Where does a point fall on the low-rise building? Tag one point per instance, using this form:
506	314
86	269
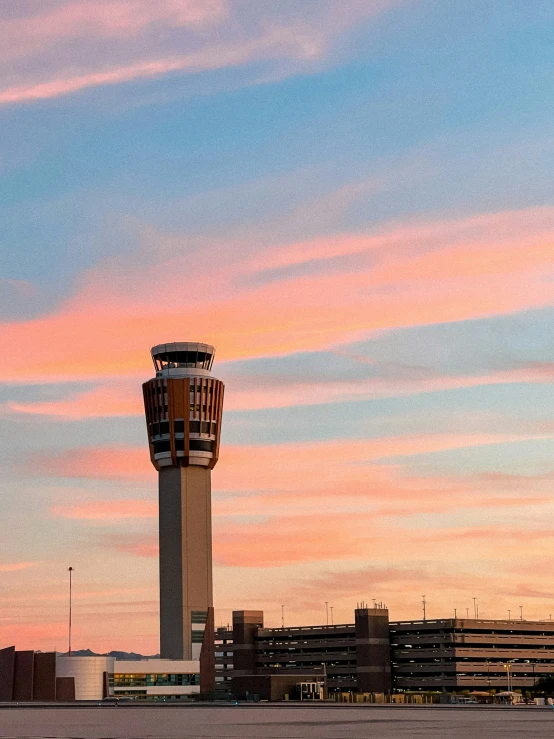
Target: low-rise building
97	678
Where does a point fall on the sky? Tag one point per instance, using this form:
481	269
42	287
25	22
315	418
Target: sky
353	201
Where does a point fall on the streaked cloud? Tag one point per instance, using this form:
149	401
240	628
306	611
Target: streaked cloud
57	49
123	398
114	315
106	510
16	566
276	466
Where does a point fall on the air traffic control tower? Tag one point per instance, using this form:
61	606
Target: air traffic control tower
183	405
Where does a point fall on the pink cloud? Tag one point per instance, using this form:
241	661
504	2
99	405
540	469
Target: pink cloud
214	58
279	541
113	317
75	45
115	399
16	566
119	463
134	545
326	467
285	540
107	510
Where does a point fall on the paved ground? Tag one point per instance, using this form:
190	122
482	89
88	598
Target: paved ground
268	722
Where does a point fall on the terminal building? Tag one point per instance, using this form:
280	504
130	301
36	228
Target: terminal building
46	676
97	678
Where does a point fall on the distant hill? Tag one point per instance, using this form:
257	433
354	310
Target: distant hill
116	654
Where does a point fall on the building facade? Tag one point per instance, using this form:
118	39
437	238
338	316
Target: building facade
347	657
184	405
372	655
474	654
97	678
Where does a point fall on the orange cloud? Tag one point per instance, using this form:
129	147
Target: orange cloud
119	463
326	467
107	510
285	540
135	545
16	566
278	541
113	317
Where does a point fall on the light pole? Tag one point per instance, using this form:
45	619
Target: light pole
424	603
70	570
332	619
283	617
327	611
508	667
521	613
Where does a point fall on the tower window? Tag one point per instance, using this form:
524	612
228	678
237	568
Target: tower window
198	445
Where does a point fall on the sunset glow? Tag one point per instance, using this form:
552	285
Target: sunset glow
354	205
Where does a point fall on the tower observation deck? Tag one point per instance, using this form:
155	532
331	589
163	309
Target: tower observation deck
183	405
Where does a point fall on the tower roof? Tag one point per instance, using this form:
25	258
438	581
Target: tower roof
178	356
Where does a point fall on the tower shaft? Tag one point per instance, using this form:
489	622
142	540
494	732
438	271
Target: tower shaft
186	592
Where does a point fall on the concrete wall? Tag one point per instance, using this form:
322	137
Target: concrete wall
44	676
23	676
7	661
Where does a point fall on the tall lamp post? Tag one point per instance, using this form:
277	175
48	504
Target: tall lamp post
70	570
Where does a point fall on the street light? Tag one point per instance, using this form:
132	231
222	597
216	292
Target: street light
70	570
508	667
